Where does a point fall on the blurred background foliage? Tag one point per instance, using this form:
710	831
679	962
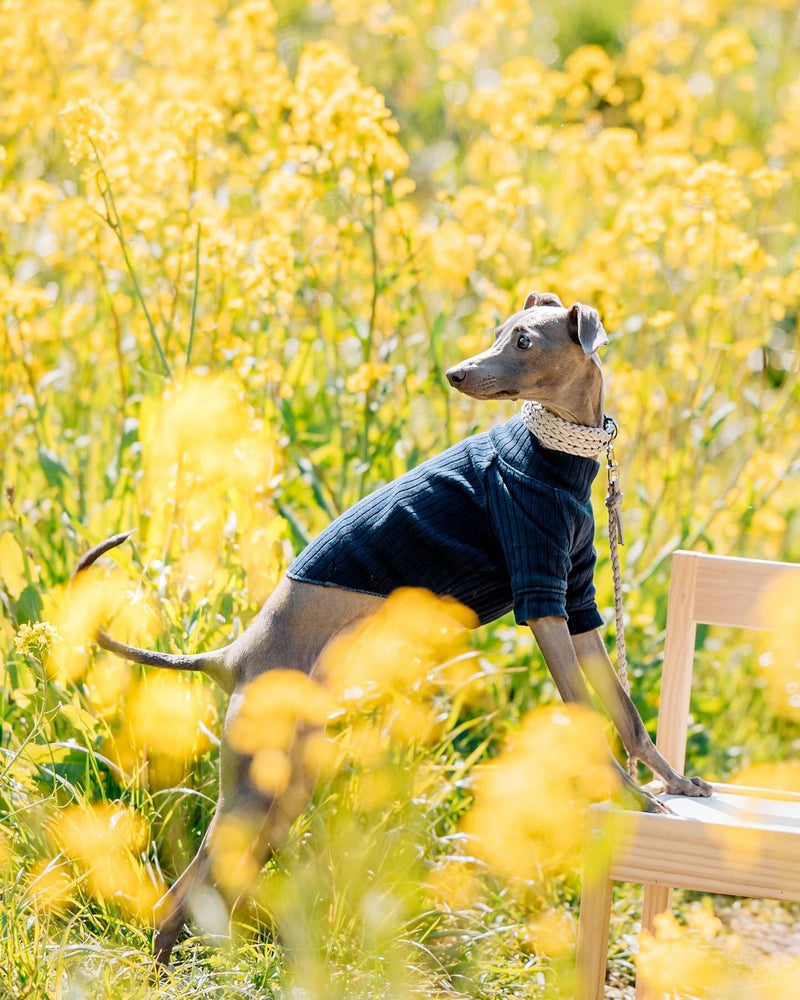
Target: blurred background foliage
240	243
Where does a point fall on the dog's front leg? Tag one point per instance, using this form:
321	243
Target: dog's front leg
559	654
599	670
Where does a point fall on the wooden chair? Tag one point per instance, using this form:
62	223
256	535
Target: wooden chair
741	841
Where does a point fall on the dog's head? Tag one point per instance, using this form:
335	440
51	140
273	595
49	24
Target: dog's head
541	352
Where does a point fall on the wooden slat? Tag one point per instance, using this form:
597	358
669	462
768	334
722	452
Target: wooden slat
593	925
676	675
656	899
708	857
751	790
729	591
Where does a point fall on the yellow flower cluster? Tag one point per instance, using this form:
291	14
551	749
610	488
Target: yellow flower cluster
106	844
378	683
38	637
87	131
276	709
701	958
554	767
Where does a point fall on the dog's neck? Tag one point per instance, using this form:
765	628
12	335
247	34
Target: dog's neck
556	433
574	392
580	416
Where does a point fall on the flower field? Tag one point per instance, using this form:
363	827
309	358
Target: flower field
241	241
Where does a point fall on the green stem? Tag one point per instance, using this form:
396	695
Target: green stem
115	223
194	295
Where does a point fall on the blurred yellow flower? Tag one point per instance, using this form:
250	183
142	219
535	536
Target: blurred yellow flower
730	48
335	118
170	715
87	604
397	648
453	884
551	933
780	775
202	434
276	708
530	802
693	960
106	842
107	682
270	771
87	129
12	564
367	375
455	257
51	886
779	656
233	866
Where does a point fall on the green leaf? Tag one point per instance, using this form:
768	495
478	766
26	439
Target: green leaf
28	607
53	468
47	753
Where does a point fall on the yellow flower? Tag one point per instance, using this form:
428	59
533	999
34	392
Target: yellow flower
38	637
528	820
51	886
779	658
171	715
86	605
87	130
270	771
730	48
526	94
397	649
335	119
276	706
453	256
366	376
106	841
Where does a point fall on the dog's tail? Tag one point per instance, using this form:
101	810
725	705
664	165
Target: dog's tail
212	663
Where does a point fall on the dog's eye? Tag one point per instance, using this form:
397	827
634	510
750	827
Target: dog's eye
524	342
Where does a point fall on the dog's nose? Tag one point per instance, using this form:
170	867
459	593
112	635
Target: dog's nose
455	376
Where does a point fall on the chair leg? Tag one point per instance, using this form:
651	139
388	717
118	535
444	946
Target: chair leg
590	973
657	899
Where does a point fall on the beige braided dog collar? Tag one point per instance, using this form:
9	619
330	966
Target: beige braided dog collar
561	435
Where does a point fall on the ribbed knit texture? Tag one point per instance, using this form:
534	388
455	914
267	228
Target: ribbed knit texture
497	522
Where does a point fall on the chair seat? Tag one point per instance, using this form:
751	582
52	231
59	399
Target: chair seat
735	809
742	845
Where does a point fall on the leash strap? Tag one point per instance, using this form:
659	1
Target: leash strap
554	432
615	539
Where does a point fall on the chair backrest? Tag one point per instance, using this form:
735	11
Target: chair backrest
706	590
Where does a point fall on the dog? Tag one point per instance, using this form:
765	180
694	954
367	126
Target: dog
498	522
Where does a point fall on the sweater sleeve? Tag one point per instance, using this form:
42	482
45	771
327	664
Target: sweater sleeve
582	612
532	536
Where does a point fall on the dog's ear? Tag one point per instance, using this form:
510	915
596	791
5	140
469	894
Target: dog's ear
542	299
585	328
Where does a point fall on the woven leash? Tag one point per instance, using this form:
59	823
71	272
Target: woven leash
576	439
615	539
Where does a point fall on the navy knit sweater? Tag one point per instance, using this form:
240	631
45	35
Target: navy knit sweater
497	522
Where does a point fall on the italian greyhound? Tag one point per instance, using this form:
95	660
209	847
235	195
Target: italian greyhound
546	353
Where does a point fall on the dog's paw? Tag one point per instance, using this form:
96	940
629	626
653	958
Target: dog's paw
694	787
636	797
651	804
